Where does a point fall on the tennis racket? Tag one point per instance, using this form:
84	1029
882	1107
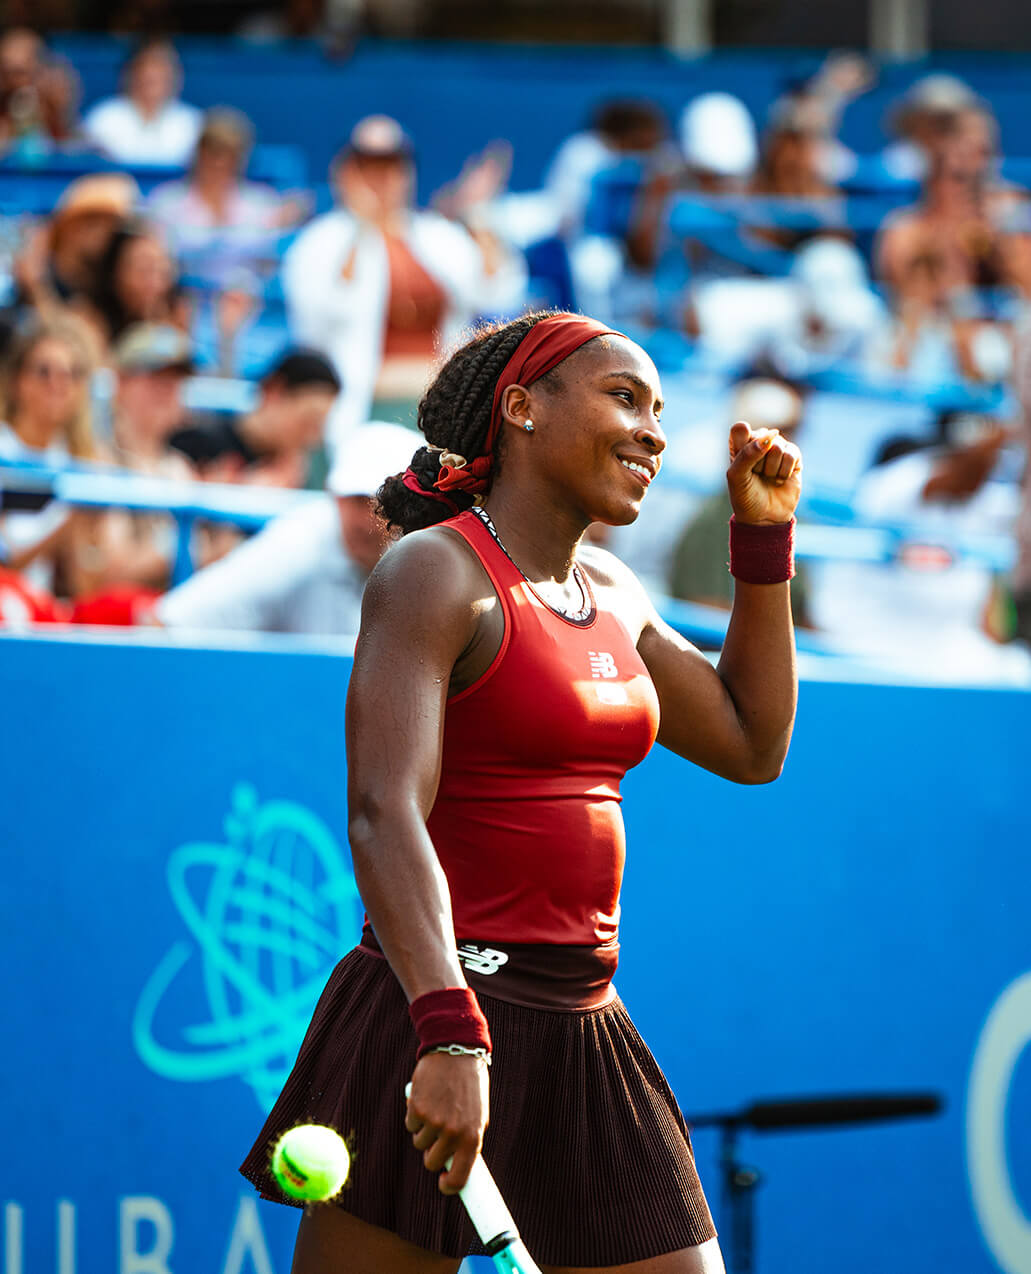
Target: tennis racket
492	1220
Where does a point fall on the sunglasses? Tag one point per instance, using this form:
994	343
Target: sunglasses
51	372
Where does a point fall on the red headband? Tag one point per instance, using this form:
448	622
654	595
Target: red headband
543	347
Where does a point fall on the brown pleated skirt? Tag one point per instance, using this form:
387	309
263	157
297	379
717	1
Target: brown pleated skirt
585	1140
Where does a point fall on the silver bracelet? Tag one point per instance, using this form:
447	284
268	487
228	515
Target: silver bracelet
460	1050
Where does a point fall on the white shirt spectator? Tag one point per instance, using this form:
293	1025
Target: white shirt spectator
217	249
921	614
345	317
305	571
117	127
22	529
251	213
294	576
568	181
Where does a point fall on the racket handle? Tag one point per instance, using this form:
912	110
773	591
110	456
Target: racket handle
491	1219
493	1222
487	1210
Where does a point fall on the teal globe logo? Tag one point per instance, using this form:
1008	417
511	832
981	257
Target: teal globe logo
269	913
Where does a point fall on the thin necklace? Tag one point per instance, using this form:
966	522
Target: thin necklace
582	612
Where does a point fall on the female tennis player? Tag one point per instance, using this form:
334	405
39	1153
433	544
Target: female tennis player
506	677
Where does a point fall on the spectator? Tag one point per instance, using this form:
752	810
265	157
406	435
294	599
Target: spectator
836	315
476	201
937	255
379	285
627	163
792	161
958	218
921	121
38	95
932	335
272	443
720	152
138	549
214	217
699	572
60	261
147	124
46	420
1021	582
821	101
136	283
792	165
928	610
718	140
151	362
621	129
306	571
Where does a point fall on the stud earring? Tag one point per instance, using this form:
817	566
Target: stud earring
528	426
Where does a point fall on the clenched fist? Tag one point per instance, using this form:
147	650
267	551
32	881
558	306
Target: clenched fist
765	475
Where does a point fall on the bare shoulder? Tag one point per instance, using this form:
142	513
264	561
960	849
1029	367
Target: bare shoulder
618	587
606	569
430	583
426	565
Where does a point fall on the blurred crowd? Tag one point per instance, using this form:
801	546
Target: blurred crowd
220	329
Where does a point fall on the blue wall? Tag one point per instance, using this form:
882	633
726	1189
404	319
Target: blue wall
176	888
454	98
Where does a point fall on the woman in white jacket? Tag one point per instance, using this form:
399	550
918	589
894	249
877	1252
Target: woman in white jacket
380	286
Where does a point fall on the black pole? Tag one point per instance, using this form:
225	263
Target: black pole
739	1181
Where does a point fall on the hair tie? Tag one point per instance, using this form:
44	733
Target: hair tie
410	479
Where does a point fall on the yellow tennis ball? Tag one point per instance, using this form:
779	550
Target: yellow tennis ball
311	1162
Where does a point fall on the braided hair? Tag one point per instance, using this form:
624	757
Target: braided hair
454	415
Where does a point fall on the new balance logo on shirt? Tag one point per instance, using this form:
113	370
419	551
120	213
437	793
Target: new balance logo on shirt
602	664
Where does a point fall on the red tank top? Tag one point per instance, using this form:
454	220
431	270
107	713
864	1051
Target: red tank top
527	821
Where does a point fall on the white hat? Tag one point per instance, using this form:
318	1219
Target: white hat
381	136
767	404
826	262
835	285
939	92
369	455
717	135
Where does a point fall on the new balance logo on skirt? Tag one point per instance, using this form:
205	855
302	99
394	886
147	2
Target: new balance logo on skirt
602	664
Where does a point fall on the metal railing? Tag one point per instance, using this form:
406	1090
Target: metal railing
829	529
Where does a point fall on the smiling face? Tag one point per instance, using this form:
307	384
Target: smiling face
597	439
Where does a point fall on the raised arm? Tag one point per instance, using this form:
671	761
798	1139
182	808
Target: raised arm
418	616
736	719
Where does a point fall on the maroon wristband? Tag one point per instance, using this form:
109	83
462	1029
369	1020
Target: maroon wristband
450	1016
762	554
